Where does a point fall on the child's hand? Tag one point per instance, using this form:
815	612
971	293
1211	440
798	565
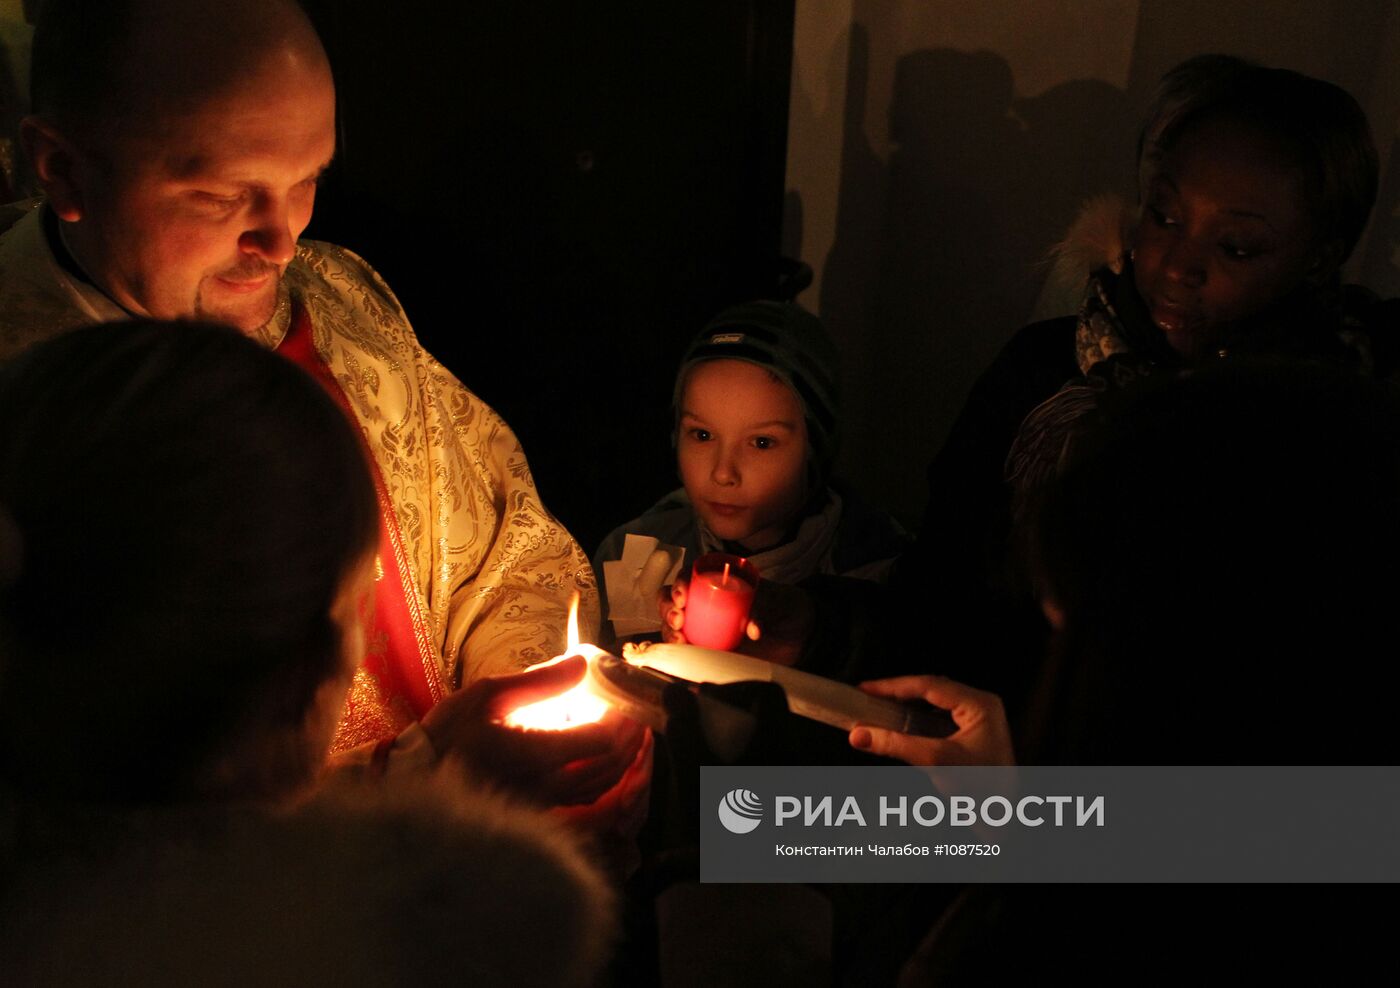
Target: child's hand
781	621
671	603
983	736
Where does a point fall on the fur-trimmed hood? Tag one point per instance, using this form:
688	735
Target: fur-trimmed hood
1098	237
424	883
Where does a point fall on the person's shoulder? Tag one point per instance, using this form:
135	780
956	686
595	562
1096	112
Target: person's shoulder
21	235
345	294
671	519
672	504
12	212
1035	361
868	538
35	304
485	875
1376	320
319	253
668	516
331	269
1046	341
507	862
1031	366
476	879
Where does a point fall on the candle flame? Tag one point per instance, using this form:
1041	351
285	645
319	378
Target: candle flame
572	708
724	577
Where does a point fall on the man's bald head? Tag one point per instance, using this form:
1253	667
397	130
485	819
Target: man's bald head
179	143
111	65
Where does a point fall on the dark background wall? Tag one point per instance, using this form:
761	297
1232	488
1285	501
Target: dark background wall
562	194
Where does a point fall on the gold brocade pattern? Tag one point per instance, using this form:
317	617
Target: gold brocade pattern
369	715
490	569
493	571
271	333
427	653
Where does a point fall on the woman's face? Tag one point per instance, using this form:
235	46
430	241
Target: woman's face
1226	231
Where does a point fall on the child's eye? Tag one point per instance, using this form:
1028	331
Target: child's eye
764	442
700	435
1239	253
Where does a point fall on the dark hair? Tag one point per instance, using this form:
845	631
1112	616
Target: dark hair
184	507
1225	547
1320	122
76	58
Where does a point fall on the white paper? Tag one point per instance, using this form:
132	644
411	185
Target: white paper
633	582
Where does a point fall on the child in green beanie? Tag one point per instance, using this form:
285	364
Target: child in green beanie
757	417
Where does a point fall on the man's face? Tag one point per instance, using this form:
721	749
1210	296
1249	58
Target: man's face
198	214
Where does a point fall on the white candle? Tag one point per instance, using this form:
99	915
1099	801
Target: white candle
699	665
581	704
814	697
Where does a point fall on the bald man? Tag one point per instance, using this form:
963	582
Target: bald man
178	144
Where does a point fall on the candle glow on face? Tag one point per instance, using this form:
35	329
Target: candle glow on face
572	708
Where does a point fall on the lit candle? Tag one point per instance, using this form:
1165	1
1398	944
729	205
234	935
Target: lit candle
720	596
579	705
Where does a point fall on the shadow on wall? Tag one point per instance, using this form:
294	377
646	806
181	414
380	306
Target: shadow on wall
1381	270
939	255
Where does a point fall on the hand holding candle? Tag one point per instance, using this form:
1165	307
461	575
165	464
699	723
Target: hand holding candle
718	600
982	735
544	733
814	697
781	621
560	767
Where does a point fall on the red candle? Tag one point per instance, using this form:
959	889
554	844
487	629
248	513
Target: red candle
721	594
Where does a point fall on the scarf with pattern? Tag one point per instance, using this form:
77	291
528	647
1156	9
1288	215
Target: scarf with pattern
1117	345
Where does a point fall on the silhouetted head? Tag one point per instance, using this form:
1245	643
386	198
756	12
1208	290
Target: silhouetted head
189	526
1222	558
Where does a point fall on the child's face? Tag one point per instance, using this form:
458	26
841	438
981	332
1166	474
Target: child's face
1226	231
742	451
